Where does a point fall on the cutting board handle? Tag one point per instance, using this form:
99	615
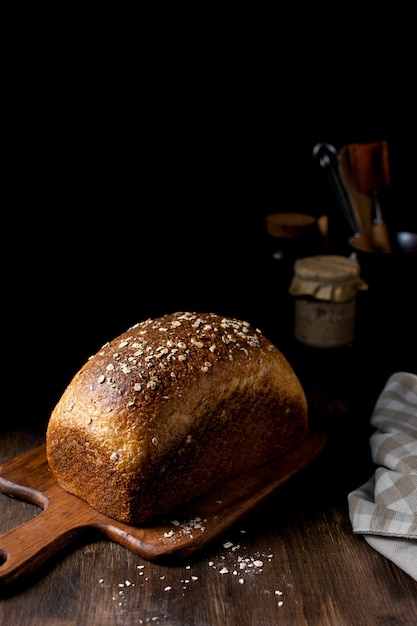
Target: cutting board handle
25	548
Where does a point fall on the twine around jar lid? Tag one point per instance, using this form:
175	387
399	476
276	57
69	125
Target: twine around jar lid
326	277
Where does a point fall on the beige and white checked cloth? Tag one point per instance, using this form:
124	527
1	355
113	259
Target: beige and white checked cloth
384	509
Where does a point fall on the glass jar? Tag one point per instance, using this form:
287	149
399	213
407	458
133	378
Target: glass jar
325	288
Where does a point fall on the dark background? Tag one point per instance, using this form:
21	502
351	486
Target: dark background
146	151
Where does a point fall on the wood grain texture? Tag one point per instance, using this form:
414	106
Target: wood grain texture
65	518
311	563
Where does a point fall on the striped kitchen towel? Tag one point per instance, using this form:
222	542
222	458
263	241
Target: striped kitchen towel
384	509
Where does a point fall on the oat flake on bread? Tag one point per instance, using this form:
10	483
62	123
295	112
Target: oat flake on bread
170	408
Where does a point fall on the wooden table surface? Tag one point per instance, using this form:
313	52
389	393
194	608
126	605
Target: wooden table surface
293	560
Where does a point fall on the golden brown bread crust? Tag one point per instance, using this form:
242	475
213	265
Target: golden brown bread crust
169	409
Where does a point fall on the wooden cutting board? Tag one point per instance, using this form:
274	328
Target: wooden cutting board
66	517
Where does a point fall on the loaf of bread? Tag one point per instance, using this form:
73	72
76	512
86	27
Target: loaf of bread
168	410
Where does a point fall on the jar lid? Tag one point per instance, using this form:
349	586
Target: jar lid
290	225
327	268
326	277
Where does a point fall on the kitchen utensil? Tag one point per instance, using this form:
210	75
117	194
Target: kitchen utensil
361	203
66	517
370	173
326	154
407	242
